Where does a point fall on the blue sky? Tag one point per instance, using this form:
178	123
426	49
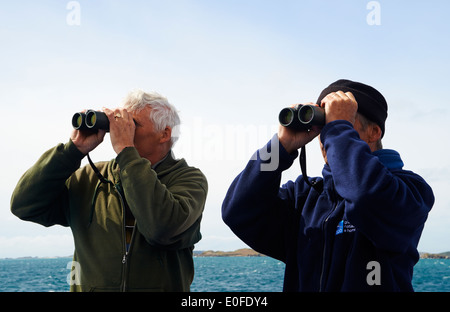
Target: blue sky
229	67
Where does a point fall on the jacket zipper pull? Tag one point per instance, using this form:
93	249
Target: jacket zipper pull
124	259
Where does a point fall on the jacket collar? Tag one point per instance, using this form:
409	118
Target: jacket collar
166	163
161	161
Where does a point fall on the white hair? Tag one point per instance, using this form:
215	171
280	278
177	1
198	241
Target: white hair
163	114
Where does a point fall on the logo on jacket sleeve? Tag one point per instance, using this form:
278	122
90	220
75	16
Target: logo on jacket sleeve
345	227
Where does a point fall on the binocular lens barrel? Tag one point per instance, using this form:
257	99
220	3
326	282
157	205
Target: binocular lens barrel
97	120
78	121
306	114
286	116
91	120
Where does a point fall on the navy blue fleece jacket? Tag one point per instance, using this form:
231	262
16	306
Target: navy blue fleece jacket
359	234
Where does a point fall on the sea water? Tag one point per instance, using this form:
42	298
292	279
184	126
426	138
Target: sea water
212	274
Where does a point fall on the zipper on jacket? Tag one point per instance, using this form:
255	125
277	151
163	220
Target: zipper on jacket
324	225
126	251
125	257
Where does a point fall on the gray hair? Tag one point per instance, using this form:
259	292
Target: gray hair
163	114
364	124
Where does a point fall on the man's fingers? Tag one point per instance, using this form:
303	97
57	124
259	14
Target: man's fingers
350	95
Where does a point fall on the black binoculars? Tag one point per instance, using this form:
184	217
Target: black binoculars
91	120
302	117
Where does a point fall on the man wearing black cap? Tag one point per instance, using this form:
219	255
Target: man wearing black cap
354	229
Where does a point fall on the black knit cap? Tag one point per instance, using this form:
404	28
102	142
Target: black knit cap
371	103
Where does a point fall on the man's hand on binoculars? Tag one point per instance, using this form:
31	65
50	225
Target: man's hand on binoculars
87	141
122	128
340	106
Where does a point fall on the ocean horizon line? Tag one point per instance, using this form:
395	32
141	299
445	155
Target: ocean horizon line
242	252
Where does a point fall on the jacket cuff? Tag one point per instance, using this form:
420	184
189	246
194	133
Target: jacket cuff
126	156
73	152
274	156
334	128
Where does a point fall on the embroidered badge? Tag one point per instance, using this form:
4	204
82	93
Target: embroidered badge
345	227
340	228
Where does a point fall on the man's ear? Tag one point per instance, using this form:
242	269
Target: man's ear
374	133
166	135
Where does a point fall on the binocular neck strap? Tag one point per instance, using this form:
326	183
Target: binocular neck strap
102	180
97	172
317	185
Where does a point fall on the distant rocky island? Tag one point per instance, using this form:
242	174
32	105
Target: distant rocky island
247	252
426	255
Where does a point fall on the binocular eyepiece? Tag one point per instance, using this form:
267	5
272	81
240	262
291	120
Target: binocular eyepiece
91	120
302	117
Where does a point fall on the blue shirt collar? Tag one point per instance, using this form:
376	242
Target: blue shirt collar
390	158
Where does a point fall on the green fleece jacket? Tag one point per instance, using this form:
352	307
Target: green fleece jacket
167	203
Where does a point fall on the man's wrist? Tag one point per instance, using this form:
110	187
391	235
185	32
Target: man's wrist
288	146
121	148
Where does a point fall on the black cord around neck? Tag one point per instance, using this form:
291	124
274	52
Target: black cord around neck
317	185
97	172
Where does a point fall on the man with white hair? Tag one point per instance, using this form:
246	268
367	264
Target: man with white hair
134	219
